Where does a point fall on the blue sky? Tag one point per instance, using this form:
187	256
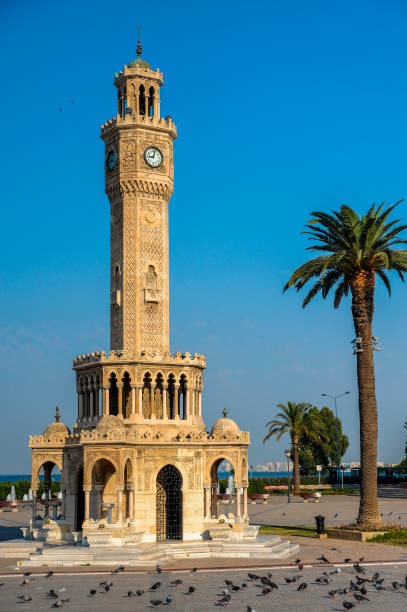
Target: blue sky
282	108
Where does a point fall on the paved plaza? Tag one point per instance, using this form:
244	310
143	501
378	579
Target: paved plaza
208	591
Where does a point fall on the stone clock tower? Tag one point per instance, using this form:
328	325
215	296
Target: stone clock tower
140	464
139	182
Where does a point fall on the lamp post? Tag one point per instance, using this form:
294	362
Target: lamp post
335	397
288	455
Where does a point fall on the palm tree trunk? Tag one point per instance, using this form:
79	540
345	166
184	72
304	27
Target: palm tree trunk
296	462
362	310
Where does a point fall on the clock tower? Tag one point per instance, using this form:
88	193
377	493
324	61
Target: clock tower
139	183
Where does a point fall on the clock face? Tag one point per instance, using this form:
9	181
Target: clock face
111	160
153	157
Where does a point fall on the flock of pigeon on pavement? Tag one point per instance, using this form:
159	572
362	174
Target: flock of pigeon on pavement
359	590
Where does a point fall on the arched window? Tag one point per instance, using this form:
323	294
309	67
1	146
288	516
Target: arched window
113	395
158	397
147	396
171	397
142	100
151	99
117	277
182	397
126	395
151	278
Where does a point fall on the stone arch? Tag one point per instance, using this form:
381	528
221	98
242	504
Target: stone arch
105	478
215	462
126	395
152	478
113	393
169	503
91	465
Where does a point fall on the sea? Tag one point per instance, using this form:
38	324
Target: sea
221	475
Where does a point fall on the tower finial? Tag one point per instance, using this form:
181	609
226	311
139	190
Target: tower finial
57	415
225	413
139	47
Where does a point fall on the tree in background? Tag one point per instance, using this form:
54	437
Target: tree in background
291	420
327	444
354	251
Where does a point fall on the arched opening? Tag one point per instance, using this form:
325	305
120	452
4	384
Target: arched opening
49	473
182	397
215	488
171	396
169	504
126	395
147	395
80	501
151	98
113	395
142	100
117	277
158	397
104	491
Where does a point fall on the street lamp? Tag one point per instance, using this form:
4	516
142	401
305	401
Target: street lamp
335	397
288	455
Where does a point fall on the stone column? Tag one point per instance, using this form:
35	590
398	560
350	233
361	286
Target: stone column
119	504
80	406
193	402
245	515
105	401
238	486
120	401
165	388
91	402
140	399
187	392
136	99
99	489
87	489
46	505
131	489
207	501
214	500
176	401
200	403
34	506
96	405
133	400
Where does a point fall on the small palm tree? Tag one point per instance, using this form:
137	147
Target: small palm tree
290	420
357	249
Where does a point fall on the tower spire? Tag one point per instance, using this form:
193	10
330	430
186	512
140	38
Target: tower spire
139	47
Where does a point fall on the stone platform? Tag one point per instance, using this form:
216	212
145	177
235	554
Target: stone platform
148	554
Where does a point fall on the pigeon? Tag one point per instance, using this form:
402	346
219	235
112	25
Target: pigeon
191	590
379	580
283	514
363	590
52	594
359	568
92	592
225	591
107	588
348	605
155	586
253	576
27	573
379	587
303	586
49	574
156	602
62	590
250	609
24	598
359	598
298	561
361	559
131	594
169	599
334	593
159	570
176	582
25	582
139	592
301	567
347	560
396	585
229	583
193	570
59	603
322	558
375	576
335	515
244	585
106	583
119	569
224	601
267	591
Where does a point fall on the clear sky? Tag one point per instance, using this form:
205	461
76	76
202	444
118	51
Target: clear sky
282	108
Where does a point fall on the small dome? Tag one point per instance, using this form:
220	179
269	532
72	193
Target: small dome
56	428
140	63
225	425
110	422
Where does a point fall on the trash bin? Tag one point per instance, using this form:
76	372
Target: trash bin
320	520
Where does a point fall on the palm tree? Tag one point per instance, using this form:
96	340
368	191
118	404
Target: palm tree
290	420
357	249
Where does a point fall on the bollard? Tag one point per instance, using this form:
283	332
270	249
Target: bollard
320	521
